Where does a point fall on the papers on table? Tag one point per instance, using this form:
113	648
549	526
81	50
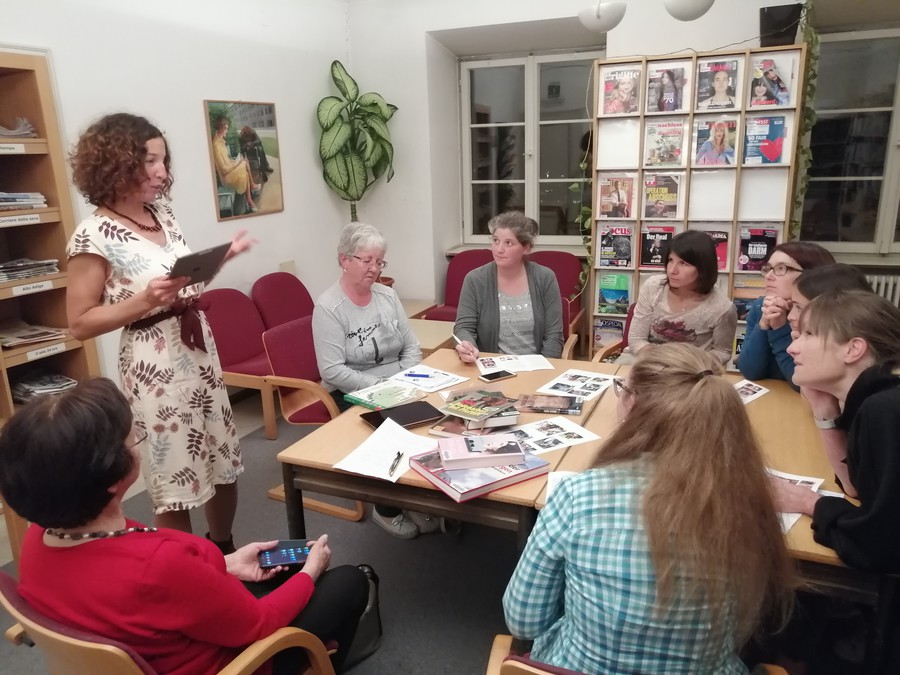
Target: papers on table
788	519
428	379
513	363
552	433
554	478
750	391
578	383
374	456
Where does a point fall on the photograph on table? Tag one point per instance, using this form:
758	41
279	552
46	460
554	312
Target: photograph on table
244	158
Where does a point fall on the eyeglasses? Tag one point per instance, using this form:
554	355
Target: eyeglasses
780	269
380	264
619	386
140	439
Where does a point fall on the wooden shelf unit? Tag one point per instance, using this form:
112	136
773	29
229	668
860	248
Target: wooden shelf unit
35	165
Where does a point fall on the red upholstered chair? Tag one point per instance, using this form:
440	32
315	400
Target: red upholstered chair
281	297
460	265
567	268
76	652
292	360
616	348
237	328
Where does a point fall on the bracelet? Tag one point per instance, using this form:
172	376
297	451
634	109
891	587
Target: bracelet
826	423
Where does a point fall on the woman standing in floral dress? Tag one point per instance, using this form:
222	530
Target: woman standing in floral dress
119	259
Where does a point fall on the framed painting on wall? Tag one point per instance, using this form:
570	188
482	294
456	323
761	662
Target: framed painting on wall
244	157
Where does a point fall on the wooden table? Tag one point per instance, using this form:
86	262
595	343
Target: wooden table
432	335
308	463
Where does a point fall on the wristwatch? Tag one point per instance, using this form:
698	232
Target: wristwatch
825	424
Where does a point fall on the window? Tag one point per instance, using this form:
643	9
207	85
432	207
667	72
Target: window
851	205
526	127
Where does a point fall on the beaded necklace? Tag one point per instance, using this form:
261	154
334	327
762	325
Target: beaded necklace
156	227
78	536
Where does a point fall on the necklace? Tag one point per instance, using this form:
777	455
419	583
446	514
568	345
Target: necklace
78	536
156	227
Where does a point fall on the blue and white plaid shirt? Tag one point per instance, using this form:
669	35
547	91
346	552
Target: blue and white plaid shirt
585	587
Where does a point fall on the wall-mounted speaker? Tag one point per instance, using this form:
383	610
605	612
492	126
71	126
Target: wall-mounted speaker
778	25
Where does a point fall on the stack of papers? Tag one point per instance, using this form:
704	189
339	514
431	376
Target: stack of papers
15	332
40	383
23	268
23	129
512	363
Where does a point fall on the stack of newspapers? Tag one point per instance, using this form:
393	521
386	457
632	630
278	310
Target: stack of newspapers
40	383
24	268
15	201
23	129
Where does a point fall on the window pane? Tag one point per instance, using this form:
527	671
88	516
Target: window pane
563	147
498	153
851	144
560	207
489	200
841	210
564	90
498	94
857	74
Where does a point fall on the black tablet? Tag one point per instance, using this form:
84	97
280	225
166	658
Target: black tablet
200	266
408	415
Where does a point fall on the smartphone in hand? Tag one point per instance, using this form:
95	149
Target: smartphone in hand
286	552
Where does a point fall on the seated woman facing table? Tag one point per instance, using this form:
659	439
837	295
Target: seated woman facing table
169	595
511	305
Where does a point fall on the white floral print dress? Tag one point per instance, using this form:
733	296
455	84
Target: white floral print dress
176	394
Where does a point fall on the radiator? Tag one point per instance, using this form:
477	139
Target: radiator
886	285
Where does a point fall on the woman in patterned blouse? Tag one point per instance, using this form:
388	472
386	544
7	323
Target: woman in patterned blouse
667	554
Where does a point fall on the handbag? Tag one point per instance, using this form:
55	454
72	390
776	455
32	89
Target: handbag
369	631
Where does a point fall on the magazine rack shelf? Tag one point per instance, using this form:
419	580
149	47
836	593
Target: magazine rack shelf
701	141
35	165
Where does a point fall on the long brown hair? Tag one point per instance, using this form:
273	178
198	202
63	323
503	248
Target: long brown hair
708	510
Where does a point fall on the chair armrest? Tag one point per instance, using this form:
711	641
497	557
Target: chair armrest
314	392
16	635
568	346
606	352
499	651
422	312
254	656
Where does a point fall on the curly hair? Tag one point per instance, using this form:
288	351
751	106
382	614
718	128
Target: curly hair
108	159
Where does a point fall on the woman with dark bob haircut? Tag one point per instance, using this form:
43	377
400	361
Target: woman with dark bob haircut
684	305
65	465
119	262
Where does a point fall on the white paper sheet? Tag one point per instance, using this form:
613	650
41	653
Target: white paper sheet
750	391
578	383
428	379
789	519
374	456
552	433
513	363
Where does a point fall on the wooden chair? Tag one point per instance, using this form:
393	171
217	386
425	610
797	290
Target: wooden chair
281	297
460	265
70	651
617	347
567	269
237	328
292	360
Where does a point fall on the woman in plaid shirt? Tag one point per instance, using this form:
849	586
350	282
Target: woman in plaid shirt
667	554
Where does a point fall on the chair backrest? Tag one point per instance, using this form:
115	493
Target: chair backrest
291	353
281	297
460	265
628	317
567	268
522	665
69	650
236	325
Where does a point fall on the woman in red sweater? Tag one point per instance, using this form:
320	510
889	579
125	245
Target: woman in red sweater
65	464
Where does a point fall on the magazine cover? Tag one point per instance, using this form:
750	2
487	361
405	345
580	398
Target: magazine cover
720	237
661	195
477	405
607	331
549	404
756	245
764	140
717	84
715	141
471	452
614	292
450	425
665	86
616	195
615	246
620	91
664	142
771	81
655	243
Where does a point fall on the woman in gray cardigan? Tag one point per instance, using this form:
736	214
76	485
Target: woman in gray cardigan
511	305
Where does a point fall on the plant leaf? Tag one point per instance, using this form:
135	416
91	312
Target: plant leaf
336	170
329	109
372	157
334	138
342	80
379	126
384	165
338	191
357	175
381	106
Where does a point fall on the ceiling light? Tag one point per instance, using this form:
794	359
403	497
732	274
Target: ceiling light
688	10
604	17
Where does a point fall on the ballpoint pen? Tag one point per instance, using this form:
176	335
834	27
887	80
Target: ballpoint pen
458	341
416	375
395	463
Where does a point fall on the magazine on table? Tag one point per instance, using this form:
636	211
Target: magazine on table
613	292
451	425
717	81
757	245
549	404
607	331
621	87
575	382
615	196
477	405
764	140
665	87
664	142
615	245
789	519
428	379
654	244
387	394
750	391
553	433
473	452
514	363
661	195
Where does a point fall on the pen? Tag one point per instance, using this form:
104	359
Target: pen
458	341
395	463
416	375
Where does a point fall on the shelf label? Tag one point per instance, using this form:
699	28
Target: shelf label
37	287
30	219
12	148
45	351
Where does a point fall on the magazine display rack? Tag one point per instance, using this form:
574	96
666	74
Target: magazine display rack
35	165
701	141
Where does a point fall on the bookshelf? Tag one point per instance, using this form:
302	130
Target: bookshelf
701	141
35	165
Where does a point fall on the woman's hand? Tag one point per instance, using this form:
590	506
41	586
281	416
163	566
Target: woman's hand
824	405
774	312
467	351
319	557
790	498
163	291
240	245
244	563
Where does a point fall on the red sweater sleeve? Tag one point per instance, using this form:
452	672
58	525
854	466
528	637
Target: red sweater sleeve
197	597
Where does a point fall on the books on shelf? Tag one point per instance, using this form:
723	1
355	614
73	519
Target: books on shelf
23	129
13	201
607	331
473	452
661	195
615	245
15	332
654	244
772	79
549	404
764	140
756	245
40	383
739	336
620	90
664	141
576	382
464	484
665	87
616	196
742	307
613	292
387	394
477	405
720	238
450	425
717	82
715	141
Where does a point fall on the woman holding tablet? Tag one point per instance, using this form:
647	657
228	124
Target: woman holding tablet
119	260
